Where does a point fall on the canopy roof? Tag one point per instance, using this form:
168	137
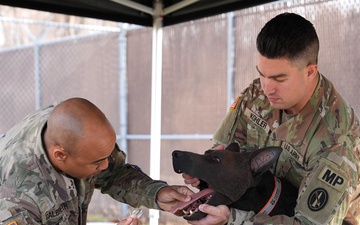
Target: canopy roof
138	12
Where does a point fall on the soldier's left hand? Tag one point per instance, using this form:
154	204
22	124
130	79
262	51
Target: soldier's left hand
130	221
171	195
216	215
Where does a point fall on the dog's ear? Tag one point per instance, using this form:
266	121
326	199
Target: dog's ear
234	147
263	159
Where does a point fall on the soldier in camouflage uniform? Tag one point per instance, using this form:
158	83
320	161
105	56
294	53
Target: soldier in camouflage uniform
293	106
53	159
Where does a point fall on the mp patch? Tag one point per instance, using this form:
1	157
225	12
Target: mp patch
323	191
332	178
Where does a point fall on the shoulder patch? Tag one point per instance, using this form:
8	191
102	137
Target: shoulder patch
233	106
323	191
13	223
317	199
332	178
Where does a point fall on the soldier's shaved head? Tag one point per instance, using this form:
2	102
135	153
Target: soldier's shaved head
72	120
78	135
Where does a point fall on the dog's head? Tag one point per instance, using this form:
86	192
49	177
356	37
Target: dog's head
225	175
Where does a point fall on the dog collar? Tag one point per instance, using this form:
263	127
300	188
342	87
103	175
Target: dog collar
270	205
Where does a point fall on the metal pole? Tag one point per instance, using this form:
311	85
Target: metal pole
231	59
37	71
156	86
123	99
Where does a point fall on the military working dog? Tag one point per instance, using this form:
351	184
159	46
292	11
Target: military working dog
240	180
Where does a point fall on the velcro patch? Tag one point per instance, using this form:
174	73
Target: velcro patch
323	191
19	218
5	214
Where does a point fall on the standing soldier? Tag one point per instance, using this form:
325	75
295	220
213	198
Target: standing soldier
293	106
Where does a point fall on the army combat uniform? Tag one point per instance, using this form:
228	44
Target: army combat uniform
320	153
33	192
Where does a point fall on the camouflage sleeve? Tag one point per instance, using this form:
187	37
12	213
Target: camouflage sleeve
127	183
15	211
326	194
239	217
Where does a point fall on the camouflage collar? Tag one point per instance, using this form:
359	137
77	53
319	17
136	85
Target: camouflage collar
63	187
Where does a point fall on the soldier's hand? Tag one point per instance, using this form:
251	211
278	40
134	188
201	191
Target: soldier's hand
219	147
129	221
195	182
171	195
216	215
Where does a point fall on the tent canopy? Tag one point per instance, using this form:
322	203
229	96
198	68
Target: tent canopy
138	12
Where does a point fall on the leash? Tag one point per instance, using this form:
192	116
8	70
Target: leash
270	205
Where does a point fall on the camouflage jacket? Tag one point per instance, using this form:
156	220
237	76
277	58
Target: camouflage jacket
32	192
320	152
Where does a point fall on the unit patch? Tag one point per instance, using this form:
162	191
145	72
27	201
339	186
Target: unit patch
323	192
317	199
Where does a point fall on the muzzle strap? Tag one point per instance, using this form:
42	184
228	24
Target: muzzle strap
271	203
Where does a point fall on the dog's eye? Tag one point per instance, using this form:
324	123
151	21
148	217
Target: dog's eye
215	159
